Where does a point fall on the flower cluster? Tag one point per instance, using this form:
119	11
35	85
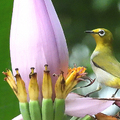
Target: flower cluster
63	87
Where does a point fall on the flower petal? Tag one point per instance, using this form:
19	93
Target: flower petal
117	103
80	106
59	35
37	39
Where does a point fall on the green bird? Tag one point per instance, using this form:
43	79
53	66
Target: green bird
104	64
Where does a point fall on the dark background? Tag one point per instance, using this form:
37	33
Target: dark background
76	16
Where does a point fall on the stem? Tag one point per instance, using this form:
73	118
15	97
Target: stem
24	109
59	106
47	109
35	111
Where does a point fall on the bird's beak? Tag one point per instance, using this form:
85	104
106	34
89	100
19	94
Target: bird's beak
91	32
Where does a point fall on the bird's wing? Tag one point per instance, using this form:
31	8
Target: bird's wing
107	63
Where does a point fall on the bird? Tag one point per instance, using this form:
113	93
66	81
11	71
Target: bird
103	62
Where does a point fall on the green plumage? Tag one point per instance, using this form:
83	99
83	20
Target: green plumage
108	63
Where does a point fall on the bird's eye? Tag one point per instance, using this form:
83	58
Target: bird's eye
101	32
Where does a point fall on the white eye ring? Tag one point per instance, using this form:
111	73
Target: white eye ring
101	32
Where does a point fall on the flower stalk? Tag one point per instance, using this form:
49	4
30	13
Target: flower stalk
47	109
24	109
59	107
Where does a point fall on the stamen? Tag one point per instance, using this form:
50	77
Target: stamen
46	67
17	70
32	70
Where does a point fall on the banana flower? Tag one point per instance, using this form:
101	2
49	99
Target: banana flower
37	39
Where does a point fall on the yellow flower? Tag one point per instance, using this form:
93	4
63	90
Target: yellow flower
65	85
18	86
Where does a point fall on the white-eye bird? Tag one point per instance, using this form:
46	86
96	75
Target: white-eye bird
103	62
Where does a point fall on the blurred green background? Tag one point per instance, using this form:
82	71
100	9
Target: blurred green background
76	16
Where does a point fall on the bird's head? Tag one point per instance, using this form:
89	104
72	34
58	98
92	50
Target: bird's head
103	37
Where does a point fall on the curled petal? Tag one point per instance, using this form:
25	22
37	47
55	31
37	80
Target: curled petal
80	106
